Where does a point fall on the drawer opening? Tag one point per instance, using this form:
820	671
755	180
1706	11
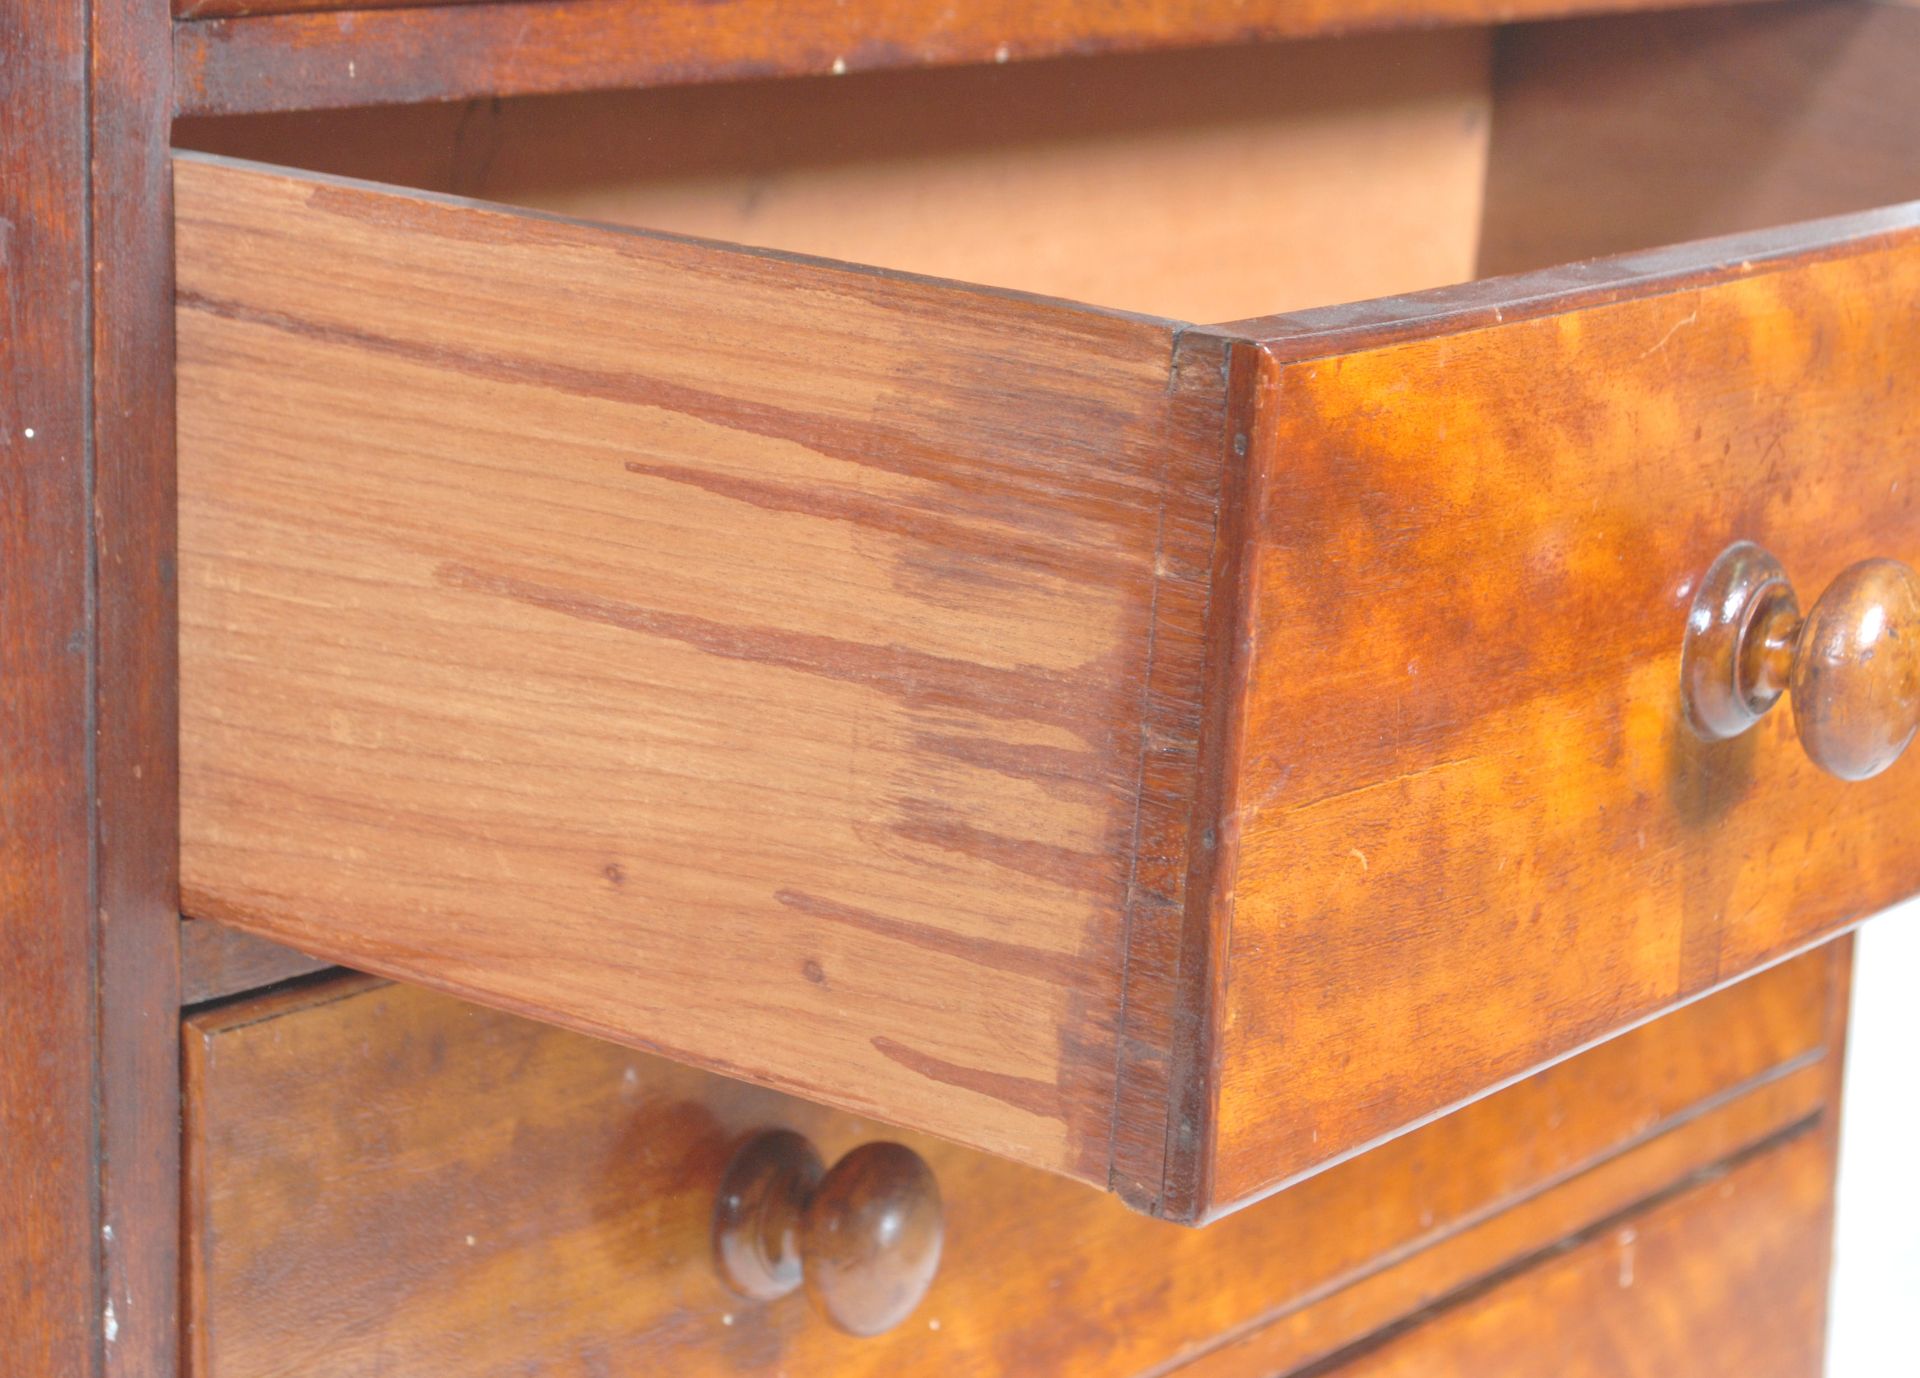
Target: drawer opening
1207	185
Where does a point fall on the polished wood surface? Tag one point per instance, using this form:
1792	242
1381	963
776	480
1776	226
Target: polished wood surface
1851	661
1074	178
1737	655
864	1236
870	1238
1725	1276
799	733
49	1256
374	56
89	1197
381	1174
134	695
1479	519
1855	676
1457	1266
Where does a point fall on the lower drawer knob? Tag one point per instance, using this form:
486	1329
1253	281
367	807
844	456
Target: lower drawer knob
864	1238
1851	665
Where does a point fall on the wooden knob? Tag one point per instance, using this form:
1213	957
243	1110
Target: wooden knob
1851	665
865	1238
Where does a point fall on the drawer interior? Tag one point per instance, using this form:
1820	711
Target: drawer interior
1207	185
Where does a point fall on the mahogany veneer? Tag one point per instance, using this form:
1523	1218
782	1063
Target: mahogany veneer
383	1176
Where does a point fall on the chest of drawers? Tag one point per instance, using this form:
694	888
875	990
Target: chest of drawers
729	554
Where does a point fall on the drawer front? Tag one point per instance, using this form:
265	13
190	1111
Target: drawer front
1174	757
382	1178
1466	809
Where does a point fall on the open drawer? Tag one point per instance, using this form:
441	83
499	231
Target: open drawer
1178	757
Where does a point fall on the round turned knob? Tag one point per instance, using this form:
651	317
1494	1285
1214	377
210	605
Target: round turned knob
1851	665
865	1238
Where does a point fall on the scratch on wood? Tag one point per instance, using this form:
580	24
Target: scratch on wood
1269	796
1672	330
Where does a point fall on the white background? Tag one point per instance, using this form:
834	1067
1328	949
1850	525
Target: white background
1876	1288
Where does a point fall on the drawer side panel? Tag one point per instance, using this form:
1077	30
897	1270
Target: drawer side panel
733	655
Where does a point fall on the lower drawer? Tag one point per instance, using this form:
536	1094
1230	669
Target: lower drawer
1725	1275
387	1180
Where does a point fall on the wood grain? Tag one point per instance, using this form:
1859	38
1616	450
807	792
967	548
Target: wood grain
1609	137
89	1222
1725	1277
135	708
1468	816
766	684
1075	178
381	1171
374	56
49	1251
1459	1264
